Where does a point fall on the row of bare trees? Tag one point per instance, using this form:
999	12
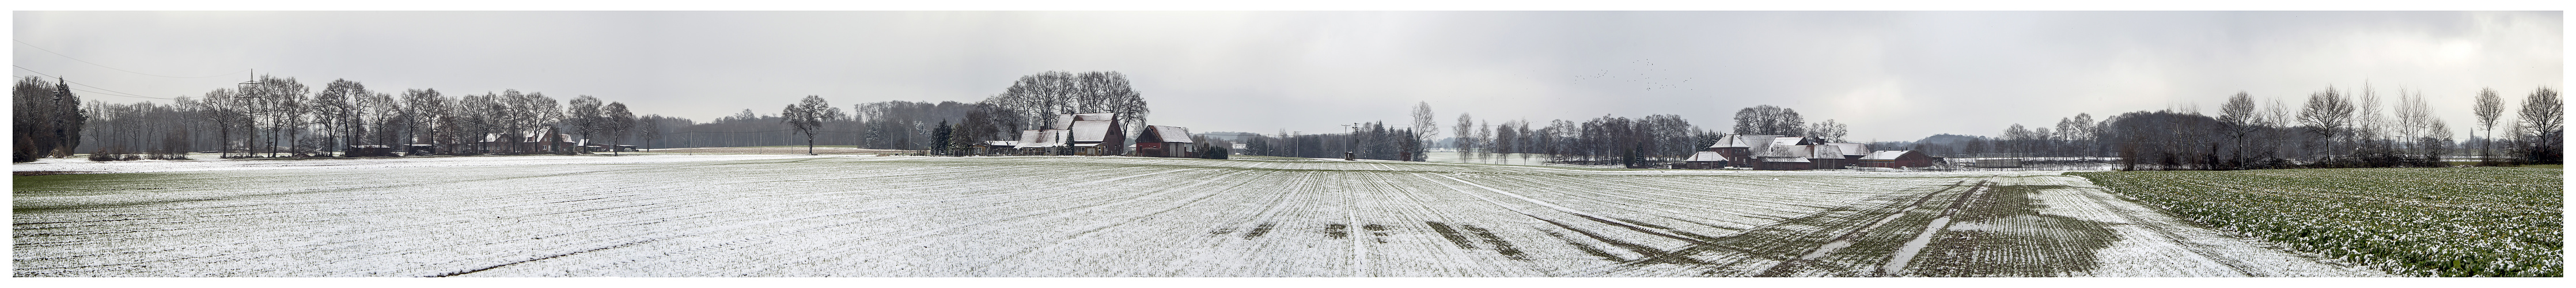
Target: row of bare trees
2331	128
281	117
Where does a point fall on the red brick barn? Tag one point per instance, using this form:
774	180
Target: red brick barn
1165	141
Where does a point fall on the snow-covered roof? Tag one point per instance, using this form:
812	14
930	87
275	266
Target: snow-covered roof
1885	155
1062	121
1001	143
1095	117
1774	150
1789	141
1851	149
1159	133
1825	151
1744	141
1038	139
1785	159
1705	156
1091	131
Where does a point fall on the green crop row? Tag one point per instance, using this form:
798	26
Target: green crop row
2452	222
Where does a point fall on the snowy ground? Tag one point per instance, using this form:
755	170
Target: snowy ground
844	215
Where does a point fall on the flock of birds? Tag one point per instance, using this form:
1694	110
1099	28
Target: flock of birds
1641	75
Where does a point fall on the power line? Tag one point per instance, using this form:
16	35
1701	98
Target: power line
105	66
114	94
108	93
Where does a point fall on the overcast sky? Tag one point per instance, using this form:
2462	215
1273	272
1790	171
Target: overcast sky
1889	75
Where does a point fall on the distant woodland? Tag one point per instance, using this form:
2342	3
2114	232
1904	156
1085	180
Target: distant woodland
284	117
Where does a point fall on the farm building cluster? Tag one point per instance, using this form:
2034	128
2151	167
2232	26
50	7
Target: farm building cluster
1096	134
529	142
1776	152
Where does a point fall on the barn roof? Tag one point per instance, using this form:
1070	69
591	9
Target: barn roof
1173	134
1772	150
1758	142
1885	154
1825	151
1038	138
1095	117
1790	141
1785	159
1851	149
1062	121
1091	131
1705	156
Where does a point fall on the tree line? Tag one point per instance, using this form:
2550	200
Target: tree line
1652	141
282	117
2331	128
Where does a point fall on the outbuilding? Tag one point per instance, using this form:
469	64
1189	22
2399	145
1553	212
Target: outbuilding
1165	141
1705	160
1896	159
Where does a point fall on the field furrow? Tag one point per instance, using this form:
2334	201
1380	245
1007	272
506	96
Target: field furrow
795	215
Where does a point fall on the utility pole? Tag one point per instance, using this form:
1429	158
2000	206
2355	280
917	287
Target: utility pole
243	91
1353	133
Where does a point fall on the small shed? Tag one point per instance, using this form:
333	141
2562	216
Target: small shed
420	149
1896	159
1705	160
369	151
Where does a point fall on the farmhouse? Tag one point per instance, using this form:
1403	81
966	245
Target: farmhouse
1776	152
1087	133
1165	141
1742	146
1896	159
1096	134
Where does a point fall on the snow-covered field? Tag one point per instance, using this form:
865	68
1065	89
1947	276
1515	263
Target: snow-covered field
841	215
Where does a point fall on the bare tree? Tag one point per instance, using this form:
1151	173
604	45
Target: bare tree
2328	112
651	130
1466	135
618	122
807	115
1769	120
336	109
2367	122
1424	126
1829	130
2236	119
2543	126
583	114
2277	116
2489	108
